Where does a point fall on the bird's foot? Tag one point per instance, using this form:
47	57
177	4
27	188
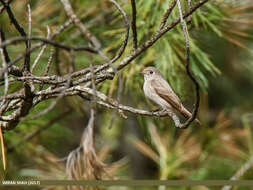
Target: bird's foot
163	112
154	111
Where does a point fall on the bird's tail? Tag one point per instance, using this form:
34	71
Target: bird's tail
188	114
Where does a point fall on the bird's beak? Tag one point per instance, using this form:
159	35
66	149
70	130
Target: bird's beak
142	73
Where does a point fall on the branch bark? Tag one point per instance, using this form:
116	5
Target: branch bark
187	63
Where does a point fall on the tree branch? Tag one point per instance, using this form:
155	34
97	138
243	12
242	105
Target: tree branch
19	29
245	167
22	101
135	39
167	14
70	12
187	63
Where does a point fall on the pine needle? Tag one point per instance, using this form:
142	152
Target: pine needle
2	148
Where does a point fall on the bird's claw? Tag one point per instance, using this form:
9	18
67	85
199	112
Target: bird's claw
162	111
154	111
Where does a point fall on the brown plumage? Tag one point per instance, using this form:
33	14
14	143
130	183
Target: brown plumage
157	89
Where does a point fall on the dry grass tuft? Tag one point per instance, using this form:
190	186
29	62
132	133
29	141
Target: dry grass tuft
84	164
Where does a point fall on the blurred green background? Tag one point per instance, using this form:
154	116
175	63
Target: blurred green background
221	59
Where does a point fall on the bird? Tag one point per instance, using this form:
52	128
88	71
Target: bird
158	90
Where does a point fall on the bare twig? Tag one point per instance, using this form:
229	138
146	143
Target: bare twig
120	89
135	36
70	12
127	26
94	42
122	48
5	53
245	167
14	70
5	58
93	82
13	19
61	28
49	62
189	19
3	7
187	63
27	62
19	29
48	41
167	14
44	40
41	51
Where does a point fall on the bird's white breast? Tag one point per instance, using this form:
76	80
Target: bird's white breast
148	91
151	94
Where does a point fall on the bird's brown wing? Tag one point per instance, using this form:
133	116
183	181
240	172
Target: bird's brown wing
165	92
163	89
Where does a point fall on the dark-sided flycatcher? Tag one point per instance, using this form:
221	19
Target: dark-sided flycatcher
157	89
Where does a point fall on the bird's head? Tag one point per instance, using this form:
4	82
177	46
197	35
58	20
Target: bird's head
150	73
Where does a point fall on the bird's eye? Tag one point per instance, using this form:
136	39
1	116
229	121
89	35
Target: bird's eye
151	72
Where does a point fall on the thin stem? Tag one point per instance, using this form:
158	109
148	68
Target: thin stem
133	23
